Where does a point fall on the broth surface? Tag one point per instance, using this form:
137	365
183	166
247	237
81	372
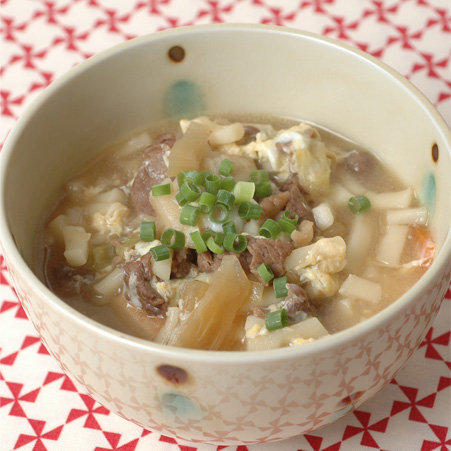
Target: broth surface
311	264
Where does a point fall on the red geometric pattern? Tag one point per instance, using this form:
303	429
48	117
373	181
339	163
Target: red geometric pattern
42	409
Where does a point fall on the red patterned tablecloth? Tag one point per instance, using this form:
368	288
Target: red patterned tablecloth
40	409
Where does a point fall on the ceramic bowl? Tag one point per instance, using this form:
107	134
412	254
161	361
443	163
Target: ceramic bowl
225	397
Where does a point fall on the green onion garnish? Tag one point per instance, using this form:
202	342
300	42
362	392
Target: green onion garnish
243	192
219	214
229	227
212	183
189	215
276	320
280	287
218	237
199	243
265	272
286	226
270	229
160	252
191	192
226	167
235	243
161	190
263	189
173	239
215	248
227	183
359	204
180	198
225	198
259	176
148	231
287	217
194	176
206	202
181	178
247	210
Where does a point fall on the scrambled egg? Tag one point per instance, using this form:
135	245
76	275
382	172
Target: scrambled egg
111	221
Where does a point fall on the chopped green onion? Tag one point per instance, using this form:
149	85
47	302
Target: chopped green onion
199	243
286	226
227	183
270	229
259	176
248	210
189	215
206	202
263	189
215	248
265	272
148	231
160	252
276	320
212	183
229	227
161	190
191	192
243	192
218	237
225	198
219	214
173	239
226	167
180	198
181	178
280	287
359	204
194	176
235	243
287	217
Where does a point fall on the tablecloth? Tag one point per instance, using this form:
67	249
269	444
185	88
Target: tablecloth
40	408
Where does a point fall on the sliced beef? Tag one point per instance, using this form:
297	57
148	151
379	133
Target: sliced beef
153	171
297	203
182	261
360	162
137	277
271	252
273	205
297	303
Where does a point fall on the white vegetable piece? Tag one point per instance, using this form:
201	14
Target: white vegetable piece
396	199
76	242
172	320
324	218
408	216
137	142
109	285
358	288
113	195
56	227
162	268
224	134
306	330
359	241
392	244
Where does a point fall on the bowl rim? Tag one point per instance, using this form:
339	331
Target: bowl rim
335	340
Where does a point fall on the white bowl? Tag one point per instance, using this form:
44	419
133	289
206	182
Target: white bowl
225	397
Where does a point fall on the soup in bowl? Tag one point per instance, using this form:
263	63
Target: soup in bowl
229	255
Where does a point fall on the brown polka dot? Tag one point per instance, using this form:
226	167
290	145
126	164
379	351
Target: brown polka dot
176	54
351	399
435	152
173	374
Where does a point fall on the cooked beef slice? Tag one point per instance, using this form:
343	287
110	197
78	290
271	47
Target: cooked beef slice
137	277
273	205
182	261
297	204
297	303
153	171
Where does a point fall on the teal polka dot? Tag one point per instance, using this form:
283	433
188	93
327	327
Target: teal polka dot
184	98
429	192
